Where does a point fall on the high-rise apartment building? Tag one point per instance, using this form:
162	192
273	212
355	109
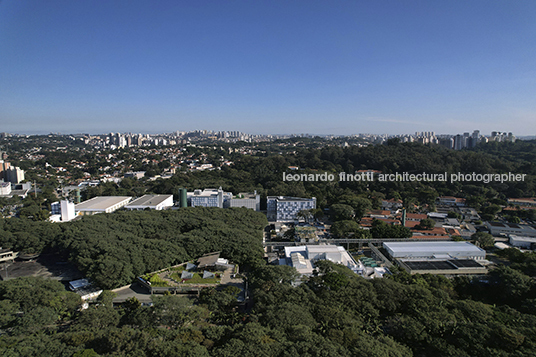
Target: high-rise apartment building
14	175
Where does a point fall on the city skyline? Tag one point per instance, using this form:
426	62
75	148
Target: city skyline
267	67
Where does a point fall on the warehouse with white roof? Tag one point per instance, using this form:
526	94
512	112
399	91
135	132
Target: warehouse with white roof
445	257
101	204
434	250
156	202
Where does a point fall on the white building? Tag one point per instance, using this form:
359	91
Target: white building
101	204
498	228
248	200
303	258
445	258
67	211
434	250
522	242
85	289
5	188
209	197
6	255
156	202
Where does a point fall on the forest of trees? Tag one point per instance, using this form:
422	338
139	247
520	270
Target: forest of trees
113	249
336	313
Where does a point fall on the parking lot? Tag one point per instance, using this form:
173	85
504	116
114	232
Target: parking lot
52	266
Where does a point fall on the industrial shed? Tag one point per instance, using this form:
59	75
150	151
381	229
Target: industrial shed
434	250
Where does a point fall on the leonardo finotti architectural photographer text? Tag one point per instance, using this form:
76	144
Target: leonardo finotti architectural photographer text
405	177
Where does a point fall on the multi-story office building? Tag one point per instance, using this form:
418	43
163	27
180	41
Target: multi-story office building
55	208
248	200
209	198
286	209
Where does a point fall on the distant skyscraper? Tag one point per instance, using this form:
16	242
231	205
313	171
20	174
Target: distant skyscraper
460	142
14	175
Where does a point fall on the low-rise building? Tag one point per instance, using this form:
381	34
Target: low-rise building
303	258
523	202
499	228
522	242
445	258
137	174
85	289
416	217
434	250
6	255
451	201
469	214
380	213
392	204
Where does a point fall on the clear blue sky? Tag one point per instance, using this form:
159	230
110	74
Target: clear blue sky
321	67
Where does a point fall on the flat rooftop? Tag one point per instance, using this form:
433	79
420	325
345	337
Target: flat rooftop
443	264
207	192
208	260
522	239
523	227
245	195
101	203
297	199
432	248
149	200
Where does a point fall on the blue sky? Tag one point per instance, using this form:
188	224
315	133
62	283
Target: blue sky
267	67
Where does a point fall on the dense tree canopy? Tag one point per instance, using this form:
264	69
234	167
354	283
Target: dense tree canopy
113	249
335	313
